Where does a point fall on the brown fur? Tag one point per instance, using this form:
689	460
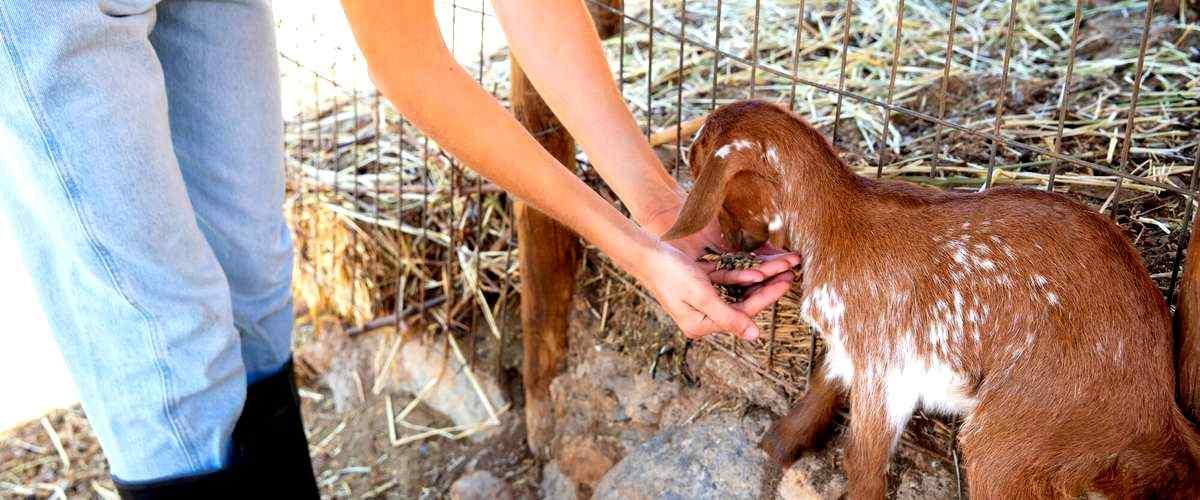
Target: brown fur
1028	313
1187	332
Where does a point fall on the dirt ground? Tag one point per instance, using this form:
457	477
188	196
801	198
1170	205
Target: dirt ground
351	449
57	456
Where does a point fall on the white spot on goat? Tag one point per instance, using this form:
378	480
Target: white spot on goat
829	304
960	255
775	224
773	159
838	365
723	151
824	309
960	251
932	385
1015	351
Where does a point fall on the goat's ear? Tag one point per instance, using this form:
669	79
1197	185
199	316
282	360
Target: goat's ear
702	204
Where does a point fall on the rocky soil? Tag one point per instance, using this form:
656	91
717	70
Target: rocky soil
619	432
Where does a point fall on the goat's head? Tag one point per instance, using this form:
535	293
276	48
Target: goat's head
738	171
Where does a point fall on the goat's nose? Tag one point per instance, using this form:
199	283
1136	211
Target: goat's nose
747	243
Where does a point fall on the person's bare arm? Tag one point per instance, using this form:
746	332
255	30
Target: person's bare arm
412	67
558	47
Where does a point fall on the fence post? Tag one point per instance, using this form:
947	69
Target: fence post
550	255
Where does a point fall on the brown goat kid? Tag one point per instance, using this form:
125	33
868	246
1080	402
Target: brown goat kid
1028	314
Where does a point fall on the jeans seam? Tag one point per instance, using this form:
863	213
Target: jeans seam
101	253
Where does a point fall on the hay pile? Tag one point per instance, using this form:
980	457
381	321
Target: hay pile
385	221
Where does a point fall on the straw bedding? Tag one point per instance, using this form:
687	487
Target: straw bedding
385	221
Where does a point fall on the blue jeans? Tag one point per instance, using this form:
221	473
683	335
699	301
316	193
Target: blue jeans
141	168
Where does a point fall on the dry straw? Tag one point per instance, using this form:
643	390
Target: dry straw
384	220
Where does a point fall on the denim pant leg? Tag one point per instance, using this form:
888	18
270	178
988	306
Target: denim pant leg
222	77
90	185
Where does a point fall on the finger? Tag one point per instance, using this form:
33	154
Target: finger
703	327
725	317
690	321
774	267
741	277
771	266
767	294
767	249
780	260
707	266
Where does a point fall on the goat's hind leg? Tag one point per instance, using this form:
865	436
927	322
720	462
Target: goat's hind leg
993	474
988	480
809	422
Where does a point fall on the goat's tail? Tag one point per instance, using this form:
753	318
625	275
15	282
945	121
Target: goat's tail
1187	333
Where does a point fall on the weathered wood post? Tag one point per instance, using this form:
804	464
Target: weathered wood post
550	255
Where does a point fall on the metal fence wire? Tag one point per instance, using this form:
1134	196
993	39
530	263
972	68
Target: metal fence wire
1096	100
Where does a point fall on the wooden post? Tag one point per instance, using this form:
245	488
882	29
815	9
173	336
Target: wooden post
550	255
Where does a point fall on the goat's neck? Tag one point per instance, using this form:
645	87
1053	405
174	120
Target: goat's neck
819	205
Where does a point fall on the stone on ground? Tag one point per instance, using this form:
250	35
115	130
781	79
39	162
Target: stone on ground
480	485
716	458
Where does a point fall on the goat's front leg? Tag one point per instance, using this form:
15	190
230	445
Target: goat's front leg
873	435
806	426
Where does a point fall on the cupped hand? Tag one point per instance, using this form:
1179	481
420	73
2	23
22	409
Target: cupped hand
774	260
685	289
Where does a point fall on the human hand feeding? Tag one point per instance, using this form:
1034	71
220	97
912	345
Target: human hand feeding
687	288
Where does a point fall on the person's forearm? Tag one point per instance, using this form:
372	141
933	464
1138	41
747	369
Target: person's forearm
556	44
408	61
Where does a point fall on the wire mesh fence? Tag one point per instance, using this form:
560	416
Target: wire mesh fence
1095	100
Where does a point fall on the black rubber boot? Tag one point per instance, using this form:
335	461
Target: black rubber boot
211	485
270	453
271	450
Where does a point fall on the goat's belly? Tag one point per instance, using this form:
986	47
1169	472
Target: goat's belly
939	388
933	386
906	384
915	383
